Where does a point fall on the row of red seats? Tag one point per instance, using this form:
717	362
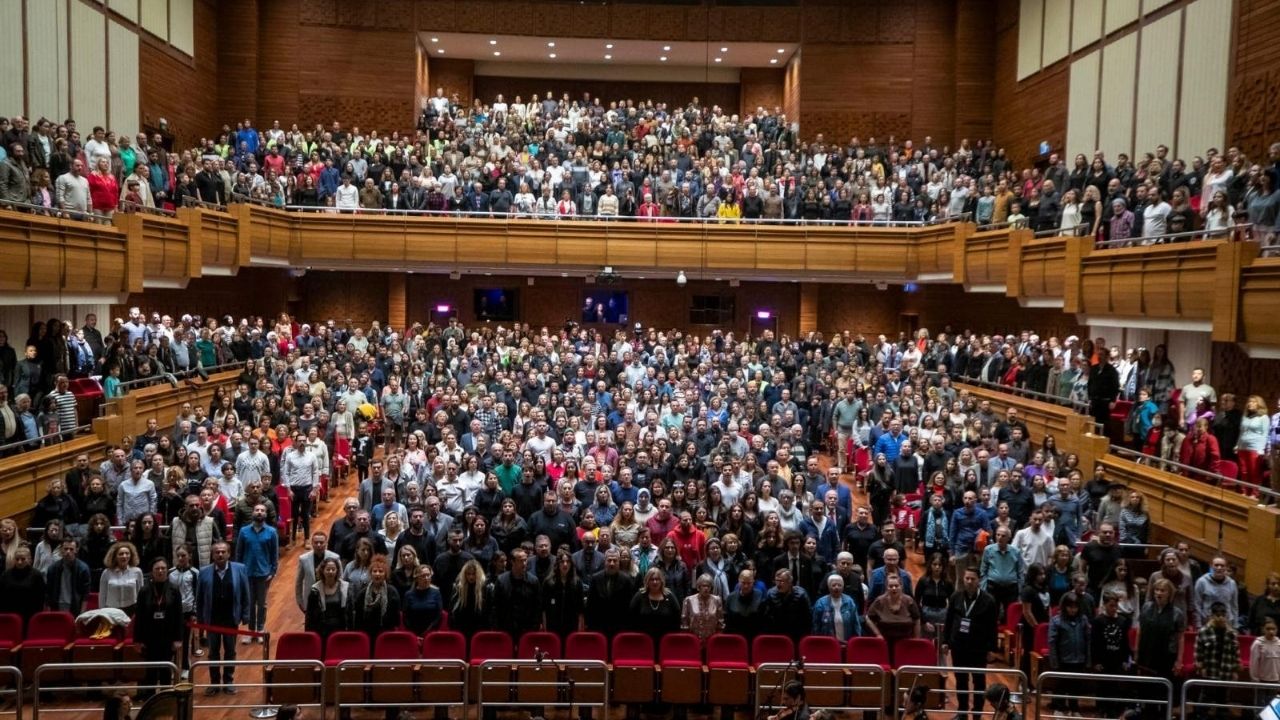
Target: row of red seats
626	648
54	637
680	669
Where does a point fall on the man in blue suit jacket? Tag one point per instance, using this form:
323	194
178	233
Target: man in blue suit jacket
844	498
222	599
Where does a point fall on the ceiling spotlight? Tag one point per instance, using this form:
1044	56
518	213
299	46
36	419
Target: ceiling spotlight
435	39
551	44
608	46
497	53
719	59
781	50
773	61
666	47
608	57
663	58
552	55
440	50
495	42
724	49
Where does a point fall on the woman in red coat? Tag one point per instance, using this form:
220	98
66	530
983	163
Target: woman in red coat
104	189
1200	449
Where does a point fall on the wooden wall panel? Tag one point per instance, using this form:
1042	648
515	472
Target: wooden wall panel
1026	113
218	296
1234	371
933	73
278	69
761	88
456	77
335	84
166	81
856	90
1255	90
238	90
975	57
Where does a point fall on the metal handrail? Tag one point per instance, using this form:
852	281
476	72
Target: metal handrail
1073	231
568	685
86	216
127	206
1188	706
189	201
1018	695
66	434
172	378
459	687
1144	240
1081	407
1216	478
1127	682
764	699
512	215
93	689
13	690
319	686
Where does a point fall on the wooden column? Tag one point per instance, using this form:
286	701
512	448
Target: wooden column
808	307
397	301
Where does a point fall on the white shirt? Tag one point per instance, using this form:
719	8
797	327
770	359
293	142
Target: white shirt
1035	547
347	197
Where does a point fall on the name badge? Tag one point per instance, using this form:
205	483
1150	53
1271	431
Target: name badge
964	625
157	615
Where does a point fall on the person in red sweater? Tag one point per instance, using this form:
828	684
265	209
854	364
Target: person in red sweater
649	209
691	543
104	189
1200	449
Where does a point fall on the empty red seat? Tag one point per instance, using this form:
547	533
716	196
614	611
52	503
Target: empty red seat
297	684
48	640
772	649
393	682
820	649
444	645
680	656
586	646
490	645
728	672
531	643
633	671
589	682
867	651
915	651
680	650
342	646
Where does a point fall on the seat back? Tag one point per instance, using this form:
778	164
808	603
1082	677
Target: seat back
680	648
914	651
298	646
1246	647
444	645
724	647
1013	616
586	646
490	645
820	649
346	645
51	626
867	651
396	645
629	647
1041	644
11	628
539	641
772	649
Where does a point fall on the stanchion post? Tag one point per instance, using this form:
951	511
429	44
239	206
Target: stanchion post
267	710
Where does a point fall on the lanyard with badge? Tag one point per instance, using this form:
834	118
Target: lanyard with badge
968	610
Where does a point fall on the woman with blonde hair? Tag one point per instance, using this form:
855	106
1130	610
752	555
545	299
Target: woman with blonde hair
472	609
9	542
1255	425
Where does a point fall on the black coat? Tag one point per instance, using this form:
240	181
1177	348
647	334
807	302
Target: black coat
607	603
160	619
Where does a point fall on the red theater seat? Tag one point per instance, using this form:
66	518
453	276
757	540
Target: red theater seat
633	671
295	646
680	656
728	670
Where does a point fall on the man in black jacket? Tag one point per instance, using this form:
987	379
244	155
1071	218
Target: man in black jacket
609	597
519	595
786	609
1104	387
67	582
970	634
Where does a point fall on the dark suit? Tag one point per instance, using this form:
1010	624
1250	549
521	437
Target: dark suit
608	602
79	586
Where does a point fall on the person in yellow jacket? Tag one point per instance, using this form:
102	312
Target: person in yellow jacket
730	211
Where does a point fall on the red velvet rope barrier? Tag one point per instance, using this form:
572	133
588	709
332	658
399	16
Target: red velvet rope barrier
221	630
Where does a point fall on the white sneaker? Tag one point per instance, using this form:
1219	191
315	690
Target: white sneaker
245	640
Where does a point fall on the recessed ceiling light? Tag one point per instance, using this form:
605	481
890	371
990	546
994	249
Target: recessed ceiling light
552	55
719	59
551	44
774	61
608	46
497	53
781	50
608	57
435	39
663	58
495	42
440	50
724	49
666	47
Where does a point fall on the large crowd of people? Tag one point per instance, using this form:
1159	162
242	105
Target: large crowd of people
567	157
653	481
